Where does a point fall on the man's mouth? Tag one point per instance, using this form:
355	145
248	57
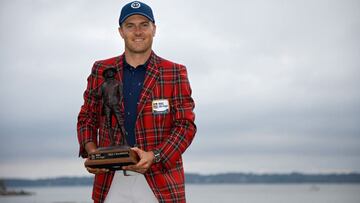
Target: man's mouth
138	39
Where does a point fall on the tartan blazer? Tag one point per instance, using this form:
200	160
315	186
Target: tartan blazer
170	133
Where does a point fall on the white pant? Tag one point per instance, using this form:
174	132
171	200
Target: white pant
130	189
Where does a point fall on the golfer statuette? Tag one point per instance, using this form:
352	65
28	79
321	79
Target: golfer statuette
115	156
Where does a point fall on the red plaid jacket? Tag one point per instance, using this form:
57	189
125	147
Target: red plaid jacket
170	133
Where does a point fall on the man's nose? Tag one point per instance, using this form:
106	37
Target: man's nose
138	30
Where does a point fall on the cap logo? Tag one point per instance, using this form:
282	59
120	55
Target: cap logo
135	5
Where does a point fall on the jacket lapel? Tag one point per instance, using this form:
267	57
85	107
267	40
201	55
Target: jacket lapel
152	75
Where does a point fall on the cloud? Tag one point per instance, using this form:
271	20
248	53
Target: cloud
275	83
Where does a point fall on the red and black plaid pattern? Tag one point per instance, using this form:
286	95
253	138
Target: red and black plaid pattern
170	133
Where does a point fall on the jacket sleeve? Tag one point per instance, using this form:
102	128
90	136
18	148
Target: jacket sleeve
184	128
87	125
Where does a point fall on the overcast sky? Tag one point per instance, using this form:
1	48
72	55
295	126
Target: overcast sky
276	83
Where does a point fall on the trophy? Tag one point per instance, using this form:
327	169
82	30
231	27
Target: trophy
114	156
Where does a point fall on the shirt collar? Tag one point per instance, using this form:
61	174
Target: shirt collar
143	66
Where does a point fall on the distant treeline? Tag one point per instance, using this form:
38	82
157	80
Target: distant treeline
192	178
273	178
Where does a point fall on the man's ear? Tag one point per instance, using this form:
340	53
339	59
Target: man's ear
154	31
121	32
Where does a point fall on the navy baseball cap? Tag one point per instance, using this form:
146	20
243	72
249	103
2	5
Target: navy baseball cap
136	7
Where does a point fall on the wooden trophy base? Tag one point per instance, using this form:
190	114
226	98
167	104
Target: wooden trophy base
112	158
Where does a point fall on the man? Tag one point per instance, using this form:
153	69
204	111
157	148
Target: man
158	113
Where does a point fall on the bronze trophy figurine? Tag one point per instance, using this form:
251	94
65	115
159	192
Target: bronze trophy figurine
115	156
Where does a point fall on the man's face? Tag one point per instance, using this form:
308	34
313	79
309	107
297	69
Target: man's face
137	32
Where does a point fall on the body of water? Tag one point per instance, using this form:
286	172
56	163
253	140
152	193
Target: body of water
224	193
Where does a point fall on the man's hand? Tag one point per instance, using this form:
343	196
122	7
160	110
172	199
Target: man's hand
146	160
97	170
91	148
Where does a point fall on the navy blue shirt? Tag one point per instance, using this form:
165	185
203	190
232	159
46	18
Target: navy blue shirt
133	79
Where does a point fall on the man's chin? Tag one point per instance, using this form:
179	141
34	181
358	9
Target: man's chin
139	51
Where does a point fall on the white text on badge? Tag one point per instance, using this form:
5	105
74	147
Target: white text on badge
160	106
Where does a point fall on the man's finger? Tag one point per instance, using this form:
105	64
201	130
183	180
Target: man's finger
137	150
129	167
97	170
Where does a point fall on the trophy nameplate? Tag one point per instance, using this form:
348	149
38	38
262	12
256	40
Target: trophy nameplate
114	156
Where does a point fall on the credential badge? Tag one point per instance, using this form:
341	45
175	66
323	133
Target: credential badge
160	106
